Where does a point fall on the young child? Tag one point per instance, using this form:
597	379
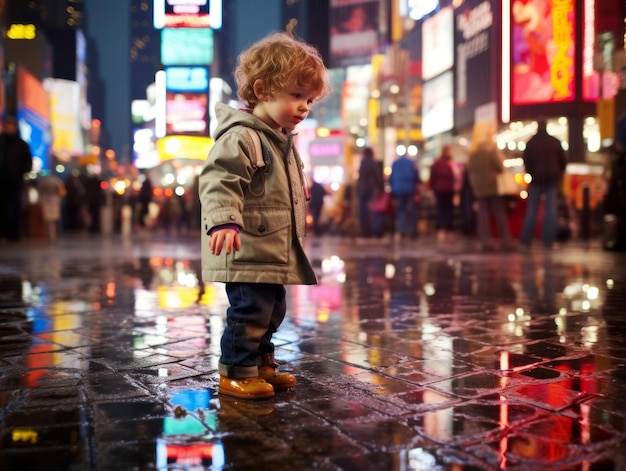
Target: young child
253	216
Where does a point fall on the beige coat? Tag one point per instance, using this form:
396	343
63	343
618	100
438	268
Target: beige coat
483	167
51	191
268	204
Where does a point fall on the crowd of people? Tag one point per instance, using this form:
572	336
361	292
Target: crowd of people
460	197
46	204
456	198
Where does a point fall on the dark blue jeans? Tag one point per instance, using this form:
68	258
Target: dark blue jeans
406	215
255	313
535	193
365	217
444	210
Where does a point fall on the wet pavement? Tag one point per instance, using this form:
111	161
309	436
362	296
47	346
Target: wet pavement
409	356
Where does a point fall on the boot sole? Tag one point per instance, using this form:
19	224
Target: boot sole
283	387
239	395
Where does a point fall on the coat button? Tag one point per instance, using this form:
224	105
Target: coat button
232	217
261	228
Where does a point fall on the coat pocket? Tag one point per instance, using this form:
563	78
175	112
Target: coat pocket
265	236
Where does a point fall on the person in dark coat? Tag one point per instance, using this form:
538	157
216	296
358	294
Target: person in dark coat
95	199
368	186
545	161
15	160
145	198
74	214
442	183
316	205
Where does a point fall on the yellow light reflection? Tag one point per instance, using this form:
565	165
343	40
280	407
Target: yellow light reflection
24	435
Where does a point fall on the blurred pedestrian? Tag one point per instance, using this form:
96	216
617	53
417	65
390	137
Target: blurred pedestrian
15	161
484	165
253	209
316	205
169	212
545	161
442	183
368	186
404	182
185	203
51	191
94	196
467	203
145	198
74	213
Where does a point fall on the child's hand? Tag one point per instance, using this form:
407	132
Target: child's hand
225	238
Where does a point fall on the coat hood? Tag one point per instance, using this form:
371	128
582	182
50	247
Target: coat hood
227	117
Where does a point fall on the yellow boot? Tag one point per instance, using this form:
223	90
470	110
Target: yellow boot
245	388
269	372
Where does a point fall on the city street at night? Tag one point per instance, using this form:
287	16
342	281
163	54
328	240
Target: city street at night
409	355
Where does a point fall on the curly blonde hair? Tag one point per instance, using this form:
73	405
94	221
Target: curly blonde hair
278	61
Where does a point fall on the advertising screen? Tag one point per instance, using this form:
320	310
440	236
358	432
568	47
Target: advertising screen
438	105
354	35
188	79
543	44
35	130
474	23
437	43
33	114
186	113
67	137
186	46
187	14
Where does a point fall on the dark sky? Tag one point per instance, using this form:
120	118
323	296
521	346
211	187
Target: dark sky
107	27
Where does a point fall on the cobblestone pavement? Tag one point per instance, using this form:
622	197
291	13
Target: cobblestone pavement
409	356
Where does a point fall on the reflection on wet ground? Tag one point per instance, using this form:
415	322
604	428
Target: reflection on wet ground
410	357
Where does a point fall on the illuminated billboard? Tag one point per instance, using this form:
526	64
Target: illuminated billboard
189	79
186	100
187	14
67	137
186	46
354	34
543	45
186	113
474	82
437	43
33	114
438	105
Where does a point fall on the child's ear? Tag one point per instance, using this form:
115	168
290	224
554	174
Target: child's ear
259	90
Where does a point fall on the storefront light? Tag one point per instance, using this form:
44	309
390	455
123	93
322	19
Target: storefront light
168	178
594	142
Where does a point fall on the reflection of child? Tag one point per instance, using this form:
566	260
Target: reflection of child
254	217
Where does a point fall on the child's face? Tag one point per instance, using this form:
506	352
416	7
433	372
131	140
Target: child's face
286	109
